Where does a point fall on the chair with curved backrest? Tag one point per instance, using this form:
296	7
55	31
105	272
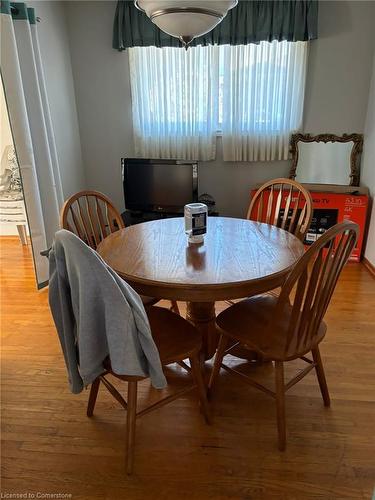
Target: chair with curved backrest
295	216
176	339
287	327
266	206
92	217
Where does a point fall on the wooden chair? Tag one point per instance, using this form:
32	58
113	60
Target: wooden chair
92	217
266	207
176	340
295	218
286	327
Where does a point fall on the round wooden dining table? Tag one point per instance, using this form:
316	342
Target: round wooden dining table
238	258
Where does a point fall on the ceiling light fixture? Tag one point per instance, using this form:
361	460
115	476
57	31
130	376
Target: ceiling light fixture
185	19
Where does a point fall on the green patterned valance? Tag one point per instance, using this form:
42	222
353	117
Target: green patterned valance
19	11
251	21
5	7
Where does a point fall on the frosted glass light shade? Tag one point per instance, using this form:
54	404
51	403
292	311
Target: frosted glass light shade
186	19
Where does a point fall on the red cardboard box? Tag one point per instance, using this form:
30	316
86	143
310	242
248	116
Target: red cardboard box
340	207
331	207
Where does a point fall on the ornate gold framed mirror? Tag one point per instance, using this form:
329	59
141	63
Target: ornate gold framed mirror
326	158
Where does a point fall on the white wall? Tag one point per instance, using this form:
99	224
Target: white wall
368	166
102	88
339	71
336	96
55	52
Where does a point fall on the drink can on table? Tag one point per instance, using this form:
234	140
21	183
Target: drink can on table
196	221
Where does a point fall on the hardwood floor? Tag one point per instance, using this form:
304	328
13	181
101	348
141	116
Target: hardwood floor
49	446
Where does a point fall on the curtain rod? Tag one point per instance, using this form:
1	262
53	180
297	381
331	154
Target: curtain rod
14	10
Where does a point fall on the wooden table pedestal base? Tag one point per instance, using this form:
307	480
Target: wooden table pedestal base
202	315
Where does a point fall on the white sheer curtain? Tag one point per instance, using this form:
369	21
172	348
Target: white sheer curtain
263	90
252	93
175	101
31	125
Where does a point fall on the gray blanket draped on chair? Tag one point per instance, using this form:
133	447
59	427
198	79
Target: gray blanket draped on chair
97	314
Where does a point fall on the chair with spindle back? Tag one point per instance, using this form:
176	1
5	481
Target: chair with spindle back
92	217
287	327
266	206
294	217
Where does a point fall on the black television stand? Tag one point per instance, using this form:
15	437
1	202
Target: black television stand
131	217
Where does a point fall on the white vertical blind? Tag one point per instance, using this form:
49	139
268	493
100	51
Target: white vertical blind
174	101
263	92
252	93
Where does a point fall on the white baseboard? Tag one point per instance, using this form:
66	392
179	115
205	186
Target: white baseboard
370	267
10	230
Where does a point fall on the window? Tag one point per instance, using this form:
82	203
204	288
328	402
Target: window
251	94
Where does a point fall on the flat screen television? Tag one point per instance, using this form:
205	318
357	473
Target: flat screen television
159	185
